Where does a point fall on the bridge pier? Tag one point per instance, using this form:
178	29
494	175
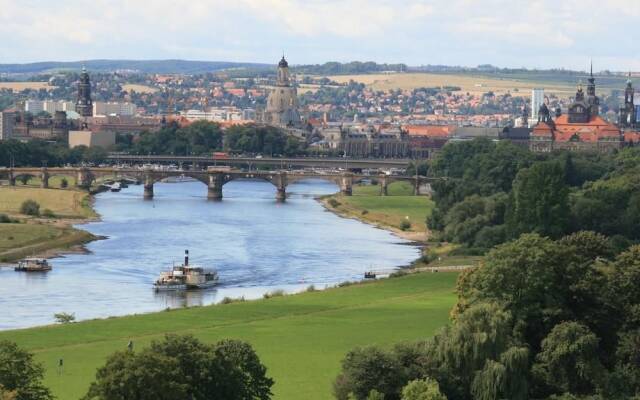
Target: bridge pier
84	178
44	179
383	185
148	187
346	184
280	181
214	188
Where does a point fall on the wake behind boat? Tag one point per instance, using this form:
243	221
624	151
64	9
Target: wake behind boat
185	277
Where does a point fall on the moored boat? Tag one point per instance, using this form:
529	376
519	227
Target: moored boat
185	276
33	265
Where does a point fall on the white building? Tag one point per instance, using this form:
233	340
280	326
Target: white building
537	98
101	108
34	106
52	106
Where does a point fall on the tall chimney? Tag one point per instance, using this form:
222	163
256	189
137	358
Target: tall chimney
186	258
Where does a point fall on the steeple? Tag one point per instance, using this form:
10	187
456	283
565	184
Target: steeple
592	100
628	111
84	105
283	72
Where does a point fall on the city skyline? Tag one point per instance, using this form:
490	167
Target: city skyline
540	34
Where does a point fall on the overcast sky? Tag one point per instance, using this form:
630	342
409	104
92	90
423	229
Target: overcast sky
515	33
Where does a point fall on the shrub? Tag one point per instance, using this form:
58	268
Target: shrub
274	293
48	213
229	300
398	274
365	212
30	207
334	203
405	225
311	288
4	219
64	318
64	183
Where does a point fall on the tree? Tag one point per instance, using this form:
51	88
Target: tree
30	207
568	360
25	178
183	367
20	376
367	369
64	318
422	389
539	201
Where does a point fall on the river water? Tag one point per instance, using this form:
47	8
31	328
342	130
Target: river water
256	244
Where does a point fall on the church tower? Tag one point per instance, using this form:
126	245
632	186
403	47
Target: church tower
84	105
283	73
592	100
628	112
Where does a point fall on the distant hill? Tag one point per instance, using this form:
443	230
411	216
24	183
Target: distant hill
145	66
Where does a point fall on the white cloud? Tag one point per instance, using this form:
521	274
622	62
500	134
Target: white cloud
465	32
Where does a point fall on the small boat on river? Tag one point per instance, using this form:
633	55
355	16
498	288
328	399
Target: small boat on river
185	277
33	265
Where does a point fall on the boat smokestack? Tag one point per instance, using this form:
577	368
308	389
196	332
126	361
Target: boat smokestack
186	257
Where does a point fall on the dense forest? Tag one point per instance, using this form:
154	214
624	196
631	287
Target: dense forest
493	192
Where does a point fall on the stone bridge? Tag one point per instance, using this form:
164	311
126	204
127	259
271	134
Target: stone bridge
213	178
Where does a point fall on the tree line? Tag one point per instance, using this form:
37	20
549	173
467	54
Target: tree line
494	192
200	138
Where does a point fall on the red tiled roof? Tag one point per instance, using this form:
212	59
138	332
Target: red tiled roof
632	136
429	130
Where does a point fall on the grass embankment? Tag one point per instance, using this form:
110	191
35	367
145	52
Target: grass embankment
300	338
37	235
388	212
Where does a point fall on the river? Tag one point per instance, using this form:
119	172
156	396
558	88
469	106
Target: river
256	244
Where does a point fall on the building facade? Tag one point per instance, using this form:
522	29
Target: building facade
628	117
581	129
101	108
7	122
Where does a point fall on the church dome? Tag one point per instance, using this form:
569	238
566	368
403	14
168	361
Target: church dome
283	63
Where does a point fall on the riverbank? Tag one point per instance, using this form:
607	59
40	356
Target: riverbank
400	212
52	232
300	338
404	215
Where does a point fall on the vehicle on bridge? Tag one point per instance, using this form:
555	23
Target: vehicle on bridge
185	277
220	155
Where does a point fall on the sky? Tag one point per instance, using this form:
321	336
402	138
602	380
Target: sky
516	33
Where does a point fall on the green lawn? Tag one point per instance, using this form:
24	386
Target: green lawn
389	210
19	235
300	338
64	203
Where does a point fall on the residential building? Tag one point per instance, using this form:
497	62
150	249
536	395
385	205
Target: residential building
7	122
537	98
101	108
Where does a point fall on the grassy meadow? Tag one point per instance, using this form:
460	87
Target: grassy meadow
389	211
474	84
34	236
68	203
300	338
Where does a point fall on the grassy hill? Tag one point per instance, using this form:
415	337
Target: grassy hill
301	338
